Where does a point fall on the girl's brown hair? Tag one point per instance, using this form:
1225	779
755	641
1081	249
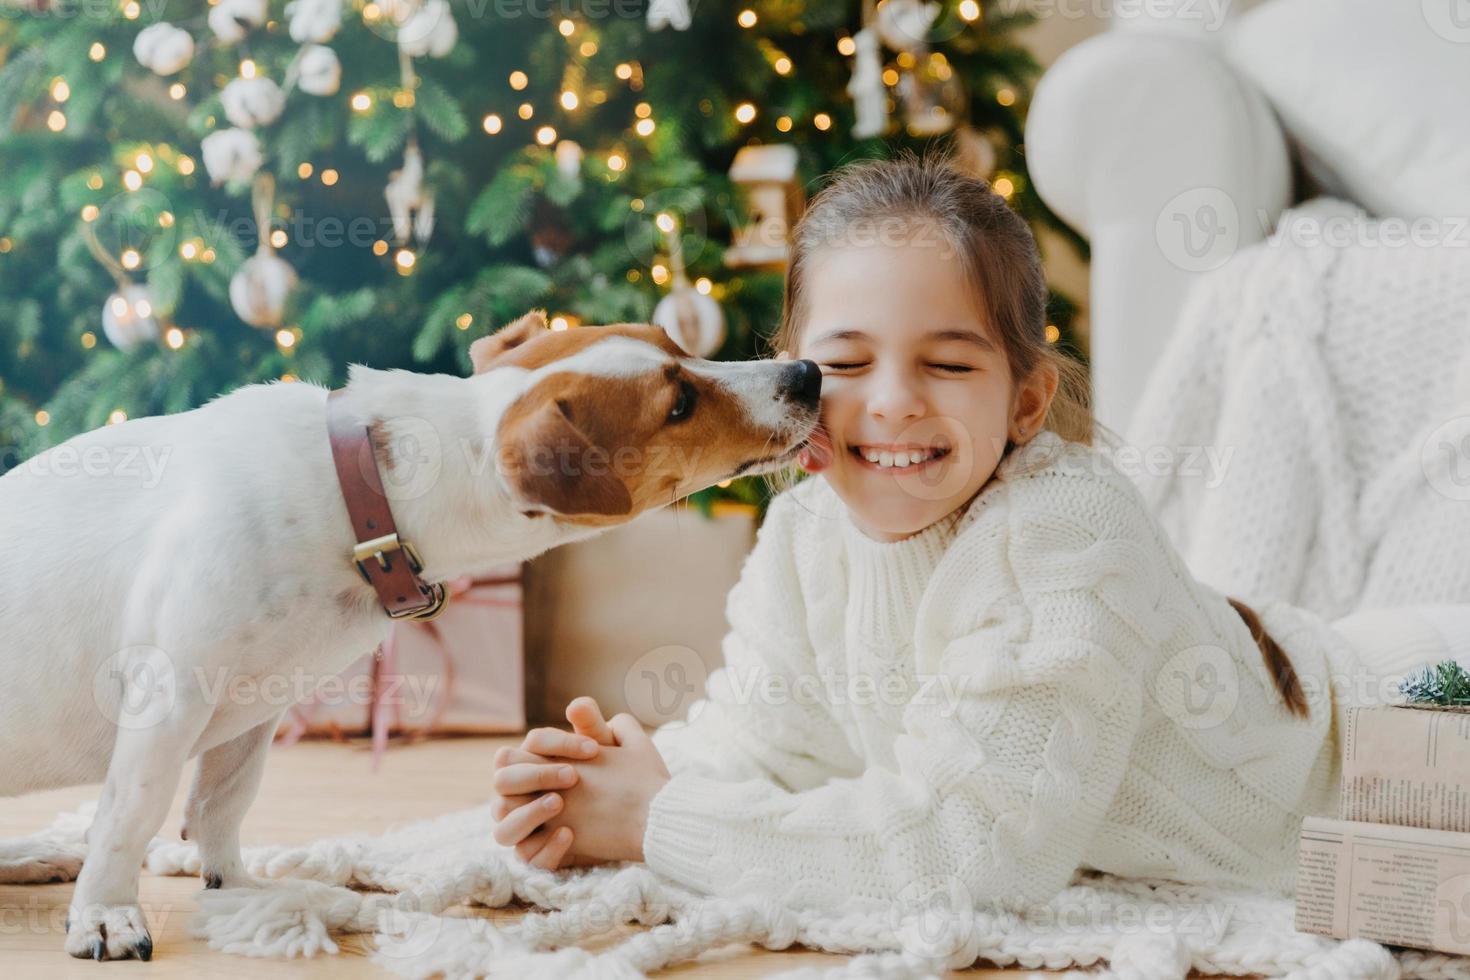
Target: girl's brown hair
998	252
877	199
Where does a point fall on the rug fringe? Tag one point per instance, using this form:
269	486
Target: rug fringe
1136	929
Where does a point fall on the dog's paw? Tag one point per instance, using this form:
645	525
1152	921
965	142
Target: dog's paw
108	932
231	875
37	862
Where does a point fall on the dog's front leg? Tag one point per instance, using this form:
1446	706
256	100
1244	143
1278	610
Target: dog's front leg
224	785
104	921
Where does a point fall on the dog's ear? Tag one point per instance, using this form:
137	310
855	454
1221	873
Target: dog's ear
485	351
550	465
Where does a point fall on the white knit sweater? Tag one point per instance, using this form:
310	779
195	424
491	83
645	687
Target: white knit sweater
1034	687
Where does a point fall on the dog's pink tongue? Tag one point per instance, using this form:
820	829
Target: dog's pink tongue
816	455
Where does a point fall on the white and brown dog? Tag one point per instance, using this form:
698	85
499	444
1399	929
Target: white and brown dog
147	562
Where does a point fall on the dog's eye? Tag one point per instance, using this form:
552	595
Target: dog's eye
683	403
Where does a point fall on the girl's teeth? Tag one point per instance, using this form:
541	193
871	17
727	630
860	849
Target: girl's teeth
887	459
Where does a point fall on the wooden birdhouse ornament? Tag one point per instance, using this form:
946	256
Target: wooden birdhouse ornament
773	200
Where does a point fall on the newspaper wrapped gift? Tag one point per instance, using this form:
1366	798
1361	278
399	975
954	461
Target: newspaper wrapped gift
1401	885
462	673
1407	765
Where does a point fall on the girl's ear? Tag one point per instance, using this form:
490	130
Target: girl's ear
1033	401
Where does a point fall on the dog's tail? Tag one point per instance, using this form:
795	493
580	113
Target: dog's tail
1278	664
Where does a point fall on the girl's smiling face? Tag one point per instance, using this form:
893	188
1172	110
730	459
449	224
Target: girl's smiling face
917	394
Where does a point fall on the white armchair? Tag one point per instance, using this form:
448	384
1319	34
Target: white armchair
1157	151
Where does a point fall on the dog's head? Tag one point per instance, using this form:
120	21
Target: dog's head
612	421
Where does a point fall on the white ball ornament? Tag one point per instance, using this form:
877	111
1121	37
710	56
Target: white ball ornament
231	155
259	291
314	21
669	13
163	49
224	25
318	71
250	103
430	30
569	156
128	317
231	19
904	25
692	320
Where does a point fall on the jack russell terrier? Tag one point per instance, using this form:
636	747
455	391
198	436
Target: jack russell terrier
127	591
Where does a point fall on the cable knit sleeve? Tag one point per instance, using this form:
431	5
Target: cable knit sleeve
1034	631
736	733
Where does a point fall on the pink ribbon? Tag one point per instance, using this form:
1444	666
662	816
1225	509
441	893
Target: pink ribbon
383	716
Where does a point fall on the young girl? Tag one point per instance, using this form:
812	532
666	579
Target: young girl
964	648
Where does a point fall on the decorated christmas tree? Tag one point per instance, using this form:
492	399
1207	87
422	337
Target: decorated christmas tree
198	196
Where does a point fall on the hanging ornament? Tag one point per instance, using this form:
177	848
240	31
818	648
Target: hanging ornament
231	20
163	49
549	245
569	159
551	239
409	204
669	13
974	152
429	30
773	200
692	320
904	25
231	155
314	21
129	317
317	70
933	98
260	288
869	94
250	103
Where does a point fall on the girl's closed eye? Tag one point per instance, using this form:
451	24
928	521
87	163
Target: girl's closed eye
954	368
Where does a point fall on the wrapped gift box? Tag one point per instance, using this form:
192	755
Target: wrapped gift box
461	673
1401	885
645	600
1408	766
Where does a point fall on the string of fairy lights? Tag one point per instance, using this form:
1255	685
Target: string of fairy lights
140	164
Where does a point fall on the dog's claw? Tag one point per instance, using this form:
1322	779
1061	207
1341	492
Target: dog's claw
119	933
67	927
213	881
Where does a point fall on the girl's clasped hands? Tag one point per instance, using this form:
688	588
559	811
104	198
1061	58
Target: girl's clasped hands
579	797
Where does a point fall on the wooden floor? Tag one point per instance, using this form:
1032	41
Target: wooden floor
311	790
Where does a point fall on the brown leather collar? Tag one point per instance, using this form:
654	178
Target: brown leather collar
386	562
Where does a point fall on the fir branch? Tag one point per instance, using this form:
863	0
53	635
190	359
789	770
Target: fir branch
504	206
440	111
1445	683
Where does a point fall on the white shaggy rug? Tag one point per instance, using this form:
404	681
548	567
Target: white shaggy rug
396	888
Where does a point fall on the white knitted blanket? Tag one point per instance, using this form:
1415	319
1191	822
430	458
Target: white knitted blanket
397	888
1309	419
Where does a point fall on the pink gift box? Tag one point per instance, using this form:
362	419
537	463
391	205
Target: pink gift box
462	673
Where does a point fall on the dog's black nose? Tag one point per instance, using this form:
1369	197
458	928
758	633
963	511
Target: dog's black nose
802	382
